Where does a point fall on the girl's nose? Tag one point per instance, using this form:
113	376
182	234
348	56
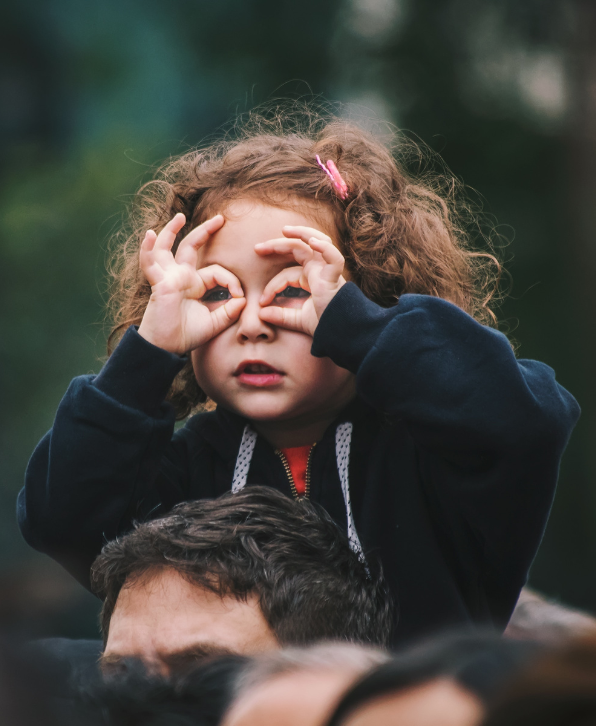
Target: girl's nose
250	326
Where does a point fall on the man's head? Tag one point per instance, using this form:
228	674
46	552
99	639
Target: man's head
244	573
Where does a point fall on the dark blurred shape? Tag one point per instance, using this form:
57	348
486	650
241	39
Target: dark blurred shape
33	693
72	664
25	688
39	677
137	697
559	689
38	601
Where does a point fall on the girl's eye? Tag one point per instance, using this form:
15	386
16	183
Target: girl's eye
293	292
218	294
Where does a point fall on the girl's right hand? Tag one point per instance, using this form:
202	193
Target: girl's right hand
175	318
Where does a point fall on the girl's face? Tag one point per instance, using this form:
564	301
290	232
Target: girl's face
258	370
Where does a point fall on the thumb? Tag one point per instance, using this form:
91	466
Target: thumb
289	318
223	316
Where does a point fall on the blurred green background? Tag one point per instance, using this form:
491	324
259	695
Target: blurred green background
93	94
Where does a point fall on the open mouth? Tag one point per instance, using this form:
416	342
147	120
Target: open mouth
258	373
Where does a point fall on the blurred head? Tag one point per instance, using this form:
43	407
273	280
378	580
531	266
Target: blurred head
243	573
445	682
557	689
398	234
440	702
298	686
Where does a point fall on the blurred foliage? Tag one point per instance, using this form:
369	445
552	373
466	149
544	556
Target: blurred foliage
94	95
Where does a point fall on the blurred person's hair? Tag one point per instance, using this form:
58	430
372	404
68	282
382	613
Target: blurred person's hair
310	585
558	689
323	656
477	662
135	696
538	618
399	234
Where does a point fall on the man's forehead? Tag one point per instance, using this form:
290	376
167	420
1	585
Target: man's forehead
159	616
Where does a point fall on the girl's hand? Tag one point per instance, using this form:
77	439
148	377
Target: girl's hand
320	274
176	319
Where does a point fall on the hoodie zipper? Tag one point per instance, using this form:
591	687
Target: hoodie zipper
284	461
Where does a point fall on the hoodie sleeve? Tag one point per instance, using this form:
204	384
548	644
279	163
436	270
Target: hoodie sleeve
490	429
94	470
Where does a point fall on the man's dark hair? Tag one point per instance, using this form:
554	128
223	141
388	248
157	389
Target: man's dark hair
288	553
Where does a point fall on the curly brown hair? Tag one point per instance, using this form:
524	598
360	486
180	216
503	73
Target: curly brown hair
399	232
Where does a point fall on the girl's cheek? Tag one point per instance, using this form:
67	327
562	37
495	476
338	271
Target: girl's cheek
203	362
211	306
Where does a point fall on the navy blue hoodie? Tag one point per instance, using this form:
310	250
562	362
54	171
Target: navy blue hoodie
453	462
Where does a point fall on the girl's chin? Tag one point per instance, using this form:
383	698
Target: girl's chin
265	414
263	411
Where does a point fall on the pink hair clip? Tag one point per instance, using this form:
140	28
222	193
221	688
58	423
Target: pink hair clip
336	178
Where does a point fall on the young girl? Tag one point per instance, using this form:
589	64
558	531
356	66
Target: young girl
329	306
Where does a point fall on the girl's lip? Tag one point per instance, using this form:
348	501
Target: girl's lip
260	380
248	363
265	378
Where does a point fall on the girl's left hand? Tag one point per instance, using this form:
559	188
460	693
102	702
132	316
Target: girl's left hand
320	274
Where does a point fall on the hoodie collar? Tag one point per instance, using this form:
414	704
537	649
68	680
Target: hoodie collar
223	428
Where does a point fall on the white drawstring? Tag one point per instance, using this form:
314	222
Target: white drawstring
343	442
245	452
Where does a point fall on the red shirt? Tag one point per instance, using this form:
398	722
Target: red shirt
297	458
